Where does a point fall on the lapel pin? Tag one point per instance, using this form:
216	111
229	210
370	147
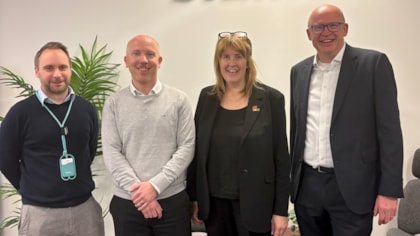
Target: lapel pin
255	108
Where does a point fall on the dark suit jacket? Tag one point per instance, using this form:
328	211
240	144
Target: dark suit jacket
365	134
265	162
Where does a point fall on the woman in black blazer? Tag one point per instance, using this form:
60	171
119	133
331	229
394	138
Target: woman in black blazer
239	179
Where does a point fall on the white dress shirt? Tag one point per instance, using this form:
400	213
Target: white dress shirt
320	107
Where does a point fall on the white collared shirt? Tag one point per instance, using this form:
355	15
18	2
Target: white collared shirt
322	88
156	89
43	98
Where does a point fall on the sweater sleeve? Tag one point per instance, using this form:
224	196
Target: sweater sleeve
11	146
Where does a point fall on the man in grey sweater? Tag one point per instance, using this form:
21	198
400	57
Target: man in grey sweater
148	140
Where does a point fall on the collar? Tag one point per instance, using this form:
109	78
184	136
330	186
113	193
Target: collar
43	98
337	59
156	89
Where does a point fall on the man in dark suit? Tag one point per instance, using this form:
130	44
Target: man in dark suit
345	134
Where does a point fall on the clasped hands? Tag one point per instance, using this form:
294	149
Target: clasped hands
143	196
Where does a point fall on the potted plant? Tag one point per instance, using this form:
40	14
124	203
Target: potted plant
93	78
293	229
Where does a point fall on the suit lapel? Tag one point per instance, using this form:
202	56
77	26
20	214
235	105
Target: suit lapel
254	108
347	70
303	84
208	117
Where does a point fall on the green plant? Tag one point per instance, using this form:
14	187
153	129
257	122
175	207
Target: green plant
93	78
15	81
8	191
293	221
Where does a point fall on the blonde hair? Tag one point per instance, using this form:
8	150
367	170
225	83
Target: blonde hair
244	47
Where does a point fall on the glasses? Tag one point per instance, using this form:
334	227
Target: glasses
240	34
332	27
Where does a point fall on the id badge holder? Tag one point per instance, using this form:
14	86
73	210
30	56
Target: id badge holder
67	167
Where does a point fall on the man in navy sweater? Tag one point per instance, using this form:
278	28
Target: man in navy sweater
47	144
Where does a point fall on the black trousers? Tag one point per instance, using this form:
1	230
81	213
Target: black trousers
321	210
128	221
225	219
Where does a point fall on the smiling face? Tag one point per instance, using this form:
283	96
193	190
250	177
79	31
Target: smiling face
143	60
233	67
327	43
233	64
54	72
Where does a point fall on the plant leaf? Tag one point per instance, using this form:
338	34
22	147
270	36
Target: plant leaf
15	81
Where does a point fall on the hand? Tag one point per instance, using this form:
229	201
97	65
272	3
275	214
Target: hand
386	207
152	210
194	214
279	225
142	194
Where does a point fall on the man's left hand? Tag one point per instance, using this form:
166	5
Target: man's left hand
386	207
142	194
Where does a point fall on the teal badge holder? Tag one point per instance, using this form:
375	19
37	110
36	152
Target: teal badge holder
67	162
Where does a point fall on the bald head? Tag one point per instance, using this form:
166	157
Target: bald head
326	9
143	38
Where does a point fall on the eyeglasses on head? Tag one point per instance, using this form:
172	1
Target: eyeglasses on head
242	34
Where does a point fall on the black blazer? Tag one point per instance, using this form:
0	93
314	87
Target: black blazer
265	162
365	133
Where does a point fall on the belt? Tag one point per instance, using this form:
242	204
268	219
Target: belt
321	169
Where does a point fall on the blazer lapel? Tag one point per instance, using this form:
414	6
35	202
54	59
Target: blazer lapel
303	84
347	70
208	116
255	105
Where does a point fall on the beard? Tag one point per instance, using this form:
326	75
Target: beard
53	89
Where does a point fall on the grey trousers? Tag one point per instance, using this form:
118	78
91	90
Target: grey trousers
81	220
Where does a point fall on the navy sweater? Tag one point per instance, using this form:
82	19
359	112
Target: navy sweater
30	150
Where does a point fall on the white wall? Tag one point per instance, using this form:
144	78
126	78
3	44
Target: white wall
187	32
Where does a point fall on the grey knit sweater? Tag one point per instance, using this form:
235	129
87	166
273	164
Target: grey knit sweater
148	138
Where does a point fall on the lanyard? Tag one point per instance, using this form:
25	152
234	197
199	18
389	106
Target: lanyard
67	161
61	125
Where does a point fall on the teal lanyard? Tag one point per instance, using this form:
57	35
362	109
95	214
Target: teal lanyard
61	125
67	161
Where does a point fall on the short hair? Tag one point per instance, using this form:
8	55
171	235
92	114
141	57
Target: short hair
51	45
244	47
